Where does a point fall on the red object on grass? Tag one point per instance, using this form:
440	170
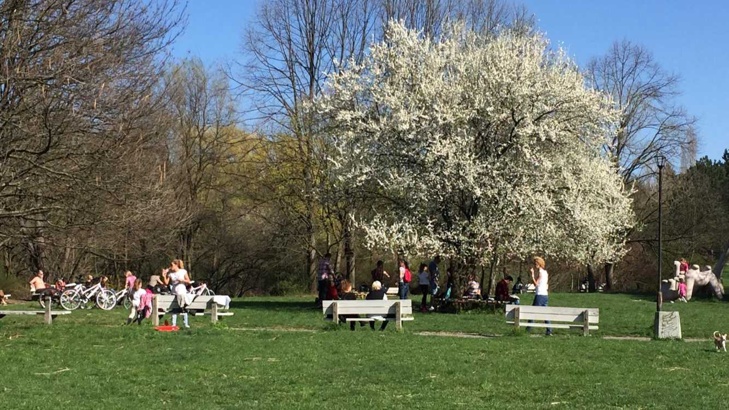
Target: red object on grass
166	328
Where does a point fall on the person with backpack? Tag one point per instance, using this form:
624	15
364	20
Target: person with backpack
403	284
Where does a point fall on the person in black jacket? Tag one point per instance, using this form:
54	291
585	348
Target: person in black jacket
377	293
347	294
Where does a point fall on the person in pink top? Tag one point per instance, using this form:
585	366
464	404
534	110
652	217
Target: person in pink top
130	280
682	290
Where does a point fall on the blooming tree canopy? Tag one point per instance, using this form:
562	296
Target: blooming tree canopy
476	144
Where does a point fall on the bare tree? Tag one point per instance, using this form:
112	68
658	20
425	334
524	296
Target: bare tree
290	49
77	87
651	123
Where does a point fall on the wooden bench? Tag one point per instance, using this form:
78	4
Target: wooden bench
48	314
200	306
391	310
561	317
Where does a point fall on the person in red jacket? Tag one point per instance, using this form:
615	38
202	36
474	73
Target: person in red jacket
502	291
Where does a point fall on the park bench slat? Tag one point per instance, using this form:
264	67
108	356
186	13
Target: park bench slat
561	317
200	305
34	312
392	310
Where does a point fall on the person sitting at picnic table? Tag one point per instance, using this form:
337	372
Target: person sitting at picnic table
3	302
37	285
502	291
331	293
377	293
473	290
518	286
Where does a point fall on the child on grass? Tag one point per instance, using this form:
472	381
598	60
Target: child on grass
137	294
682	290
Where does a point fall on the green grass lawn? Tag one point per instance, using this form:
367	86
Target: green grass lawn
279	353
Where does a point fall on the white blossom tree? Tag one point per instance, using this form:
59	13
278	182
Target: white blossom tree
473	144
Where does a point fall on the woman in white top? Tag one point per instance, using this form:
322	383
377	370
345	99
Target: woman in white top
541	283
177	279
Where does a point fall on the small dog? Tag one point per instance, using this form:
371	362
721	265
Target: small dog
720	341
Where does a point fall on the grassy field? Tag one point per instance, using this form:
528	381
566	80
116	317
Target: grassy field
279	353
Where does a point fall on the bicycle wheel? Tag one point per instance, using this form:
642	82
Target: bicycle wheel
127	302
106	299
70	300
208	292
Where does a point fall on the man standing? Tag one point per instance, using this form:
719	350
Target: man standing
322	276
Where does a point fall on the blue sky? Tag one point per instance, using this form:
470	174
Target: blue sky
688	38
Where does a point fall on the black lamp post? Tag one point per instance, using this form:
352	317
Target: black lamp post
661	162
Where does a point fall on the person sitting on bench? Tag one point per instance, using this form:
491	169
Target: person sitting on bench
377	293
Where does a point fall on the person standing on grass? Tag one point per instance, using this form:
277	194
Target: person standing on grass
403	283
434	280
424	284
682	290
540	279
136	293
177	278
377	293
379	273
323	272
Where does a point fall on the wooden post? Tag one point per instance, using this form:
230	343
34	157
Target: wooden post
155	311
335	313
47	316
516	317
214	312
398	315
586	324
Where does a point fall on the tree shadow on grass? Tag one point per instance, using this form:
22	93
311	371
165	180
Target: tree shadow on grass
292	305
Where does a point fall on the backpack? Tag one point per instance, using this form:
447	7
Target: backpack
407	277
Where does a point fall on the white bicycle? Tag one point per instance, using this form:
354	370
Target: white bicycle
73	298
201	290
123	298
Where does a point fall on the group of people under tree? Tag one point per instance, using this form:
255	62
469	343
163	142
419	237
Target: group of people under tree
332	287
428	276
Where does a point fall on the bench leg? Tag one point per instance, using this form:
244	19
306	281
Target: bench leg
586	324
214	313
398	316
516	317
47	318
155	311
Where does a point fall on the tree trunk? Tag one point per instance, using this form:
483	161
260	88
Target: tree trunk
311	259
719	267
349	272
590	278
609	276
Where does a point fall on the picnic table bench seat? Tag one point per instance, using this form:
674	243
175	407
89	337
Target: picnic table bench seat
371	310
48	314
200	305
561	317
